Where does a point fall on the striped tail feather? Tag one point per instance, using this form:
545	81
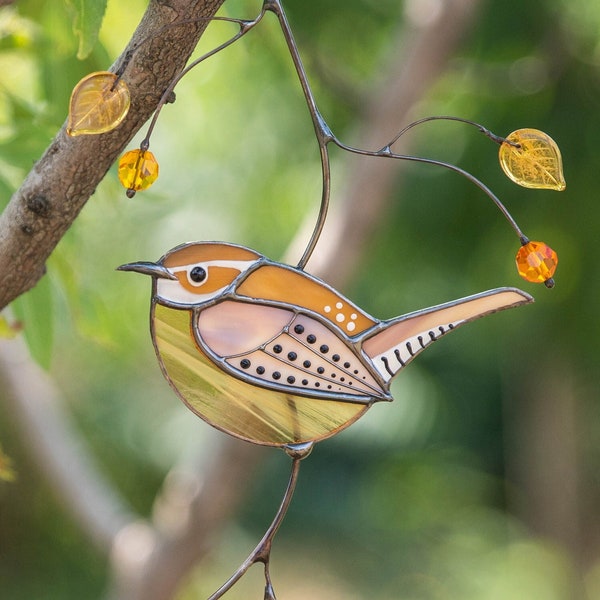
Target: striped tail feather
390	349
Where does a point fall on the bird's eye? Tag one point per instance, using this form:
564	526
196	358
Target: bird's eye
197	274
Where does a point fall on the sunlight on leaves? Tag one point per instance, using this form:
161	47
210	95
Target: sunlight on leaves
7	473
99	102
87	23
532	159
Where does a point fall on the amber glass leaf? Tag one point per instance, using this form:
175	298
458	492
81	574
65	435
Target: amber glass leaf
99	102
138	170
536	262
532	159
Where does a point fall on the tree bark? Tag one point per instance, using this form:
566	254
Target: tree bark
60	183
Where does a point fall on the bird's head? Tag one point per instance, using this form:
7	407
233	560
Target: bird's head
195	273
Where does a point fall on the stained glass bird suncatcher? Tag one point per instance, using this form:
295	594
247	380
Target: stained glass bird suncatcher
270	354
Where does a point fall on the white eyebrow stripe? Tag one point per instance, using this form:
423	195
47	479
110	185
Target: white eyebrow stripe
173	291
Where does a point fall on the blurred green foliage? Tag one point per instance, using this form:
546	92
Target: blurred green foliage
414	501
87	22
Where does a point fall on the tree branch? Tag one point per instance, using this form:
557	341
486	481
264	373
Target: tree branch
60	183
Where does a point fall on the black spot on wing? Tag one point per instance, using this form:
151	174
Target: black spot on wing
309	357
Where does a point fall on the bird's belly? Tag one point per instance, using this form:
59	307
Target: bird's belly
240	408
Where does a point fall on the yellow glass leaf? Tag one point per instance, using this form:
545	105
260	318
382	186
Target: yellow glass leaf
138	170
532	159
99	102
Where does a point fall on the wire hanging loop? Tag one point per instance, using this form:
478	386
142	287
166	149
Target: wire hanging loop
262	551
244	27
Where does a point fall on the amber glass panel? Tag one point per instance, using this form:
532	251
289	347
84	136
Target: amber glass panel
456	313
238	408
193	253
218	278
285	285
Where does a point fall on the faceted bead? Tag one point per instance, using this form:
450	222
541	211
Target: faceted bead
536	262
138	170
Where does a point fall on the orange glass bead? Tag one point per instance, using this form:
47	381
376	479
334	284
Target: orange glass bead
536	262
138	170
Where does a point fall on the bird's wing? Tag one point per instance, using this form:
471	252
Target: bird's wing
284	284
286	349
395	343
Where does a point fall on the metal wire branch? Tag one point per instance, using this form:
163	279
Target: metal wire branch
325	136
262	551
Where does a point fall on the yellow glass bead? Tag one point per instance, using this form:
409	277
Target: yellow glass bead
138	170
536	262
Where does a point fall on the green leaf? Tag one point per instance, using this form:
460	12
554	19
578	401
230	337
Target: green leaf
87	23
34	310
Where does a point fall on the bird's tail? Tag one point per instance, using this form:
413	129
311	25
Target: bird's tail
392	347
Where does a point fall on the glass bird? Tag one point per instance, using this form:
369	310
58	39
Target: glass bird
270	354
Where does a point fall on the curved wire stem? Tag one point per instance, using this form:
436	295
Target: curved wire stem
244	27
262	551
323	133
489	134
386	152
179	23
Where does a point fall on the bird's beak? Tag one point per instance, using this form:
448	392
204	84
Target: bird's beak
148	268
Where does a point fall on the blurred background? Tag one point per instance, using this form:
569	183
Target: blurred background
480	481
